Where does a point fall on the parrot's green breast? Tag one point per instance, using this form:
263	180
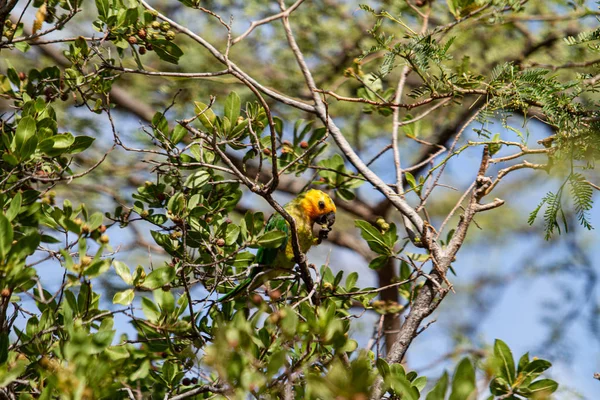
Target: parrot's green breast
305	237
283	256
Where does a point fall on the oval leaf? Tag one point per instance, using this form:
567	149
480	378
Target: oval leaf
159	277
125	297
123	271
197	179
506	362
271	239
463	382
232	107
543	387
25	130
439	390
6	236
205	115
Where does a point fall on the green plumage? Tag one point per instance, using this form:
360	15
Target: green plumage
281	257
267	256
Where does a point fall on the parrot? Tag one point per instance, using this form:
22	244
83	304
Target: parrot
308	208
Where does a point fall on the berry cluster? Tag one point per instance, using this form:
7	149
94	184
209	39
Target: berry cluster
9	29
146	34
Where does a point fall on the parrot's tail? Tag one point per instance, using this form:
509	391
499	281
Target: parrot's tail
236	290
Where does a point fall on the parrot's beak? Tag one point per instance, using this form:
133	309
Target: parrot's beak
330	218
326	219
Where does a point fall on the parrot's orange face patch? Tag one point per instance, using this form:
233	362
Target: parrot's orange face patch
316	203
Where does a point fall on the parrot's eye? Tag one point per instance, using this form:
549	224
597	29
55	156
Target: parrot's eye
321	204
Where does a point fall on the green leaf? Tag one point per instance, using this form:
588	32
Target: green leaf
243	259
150	309
131	16
103	10
420	382
167	51
160	123
494	148
505	360
123	271
26	245
383	367
125	297
197	180
537	367
272	239
410	179
499	386
9	373
345	194
95	220
351	280
543	387
523	361
164	241
57	145
141	372
165	300
15	207
179	133
28	148
10	159
117	352
534	369
25	130
159	277
206	116
463	382
6	236
439	390
402	386
139	275
233	232
391	236
374	238
232	107
378	262
97	268
276	362
80	143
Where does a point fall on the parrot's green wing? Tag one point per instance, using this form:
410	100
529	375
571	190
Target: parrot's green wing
264	256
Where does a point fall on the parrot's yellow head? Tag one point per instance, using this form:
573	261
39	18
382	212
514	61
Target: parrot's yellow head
318	206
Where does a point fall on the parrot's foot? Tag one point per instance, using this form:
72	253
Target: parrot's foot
323	233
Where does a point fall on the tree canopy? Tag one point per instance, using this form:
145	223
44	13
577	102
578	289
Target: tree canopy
145	144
